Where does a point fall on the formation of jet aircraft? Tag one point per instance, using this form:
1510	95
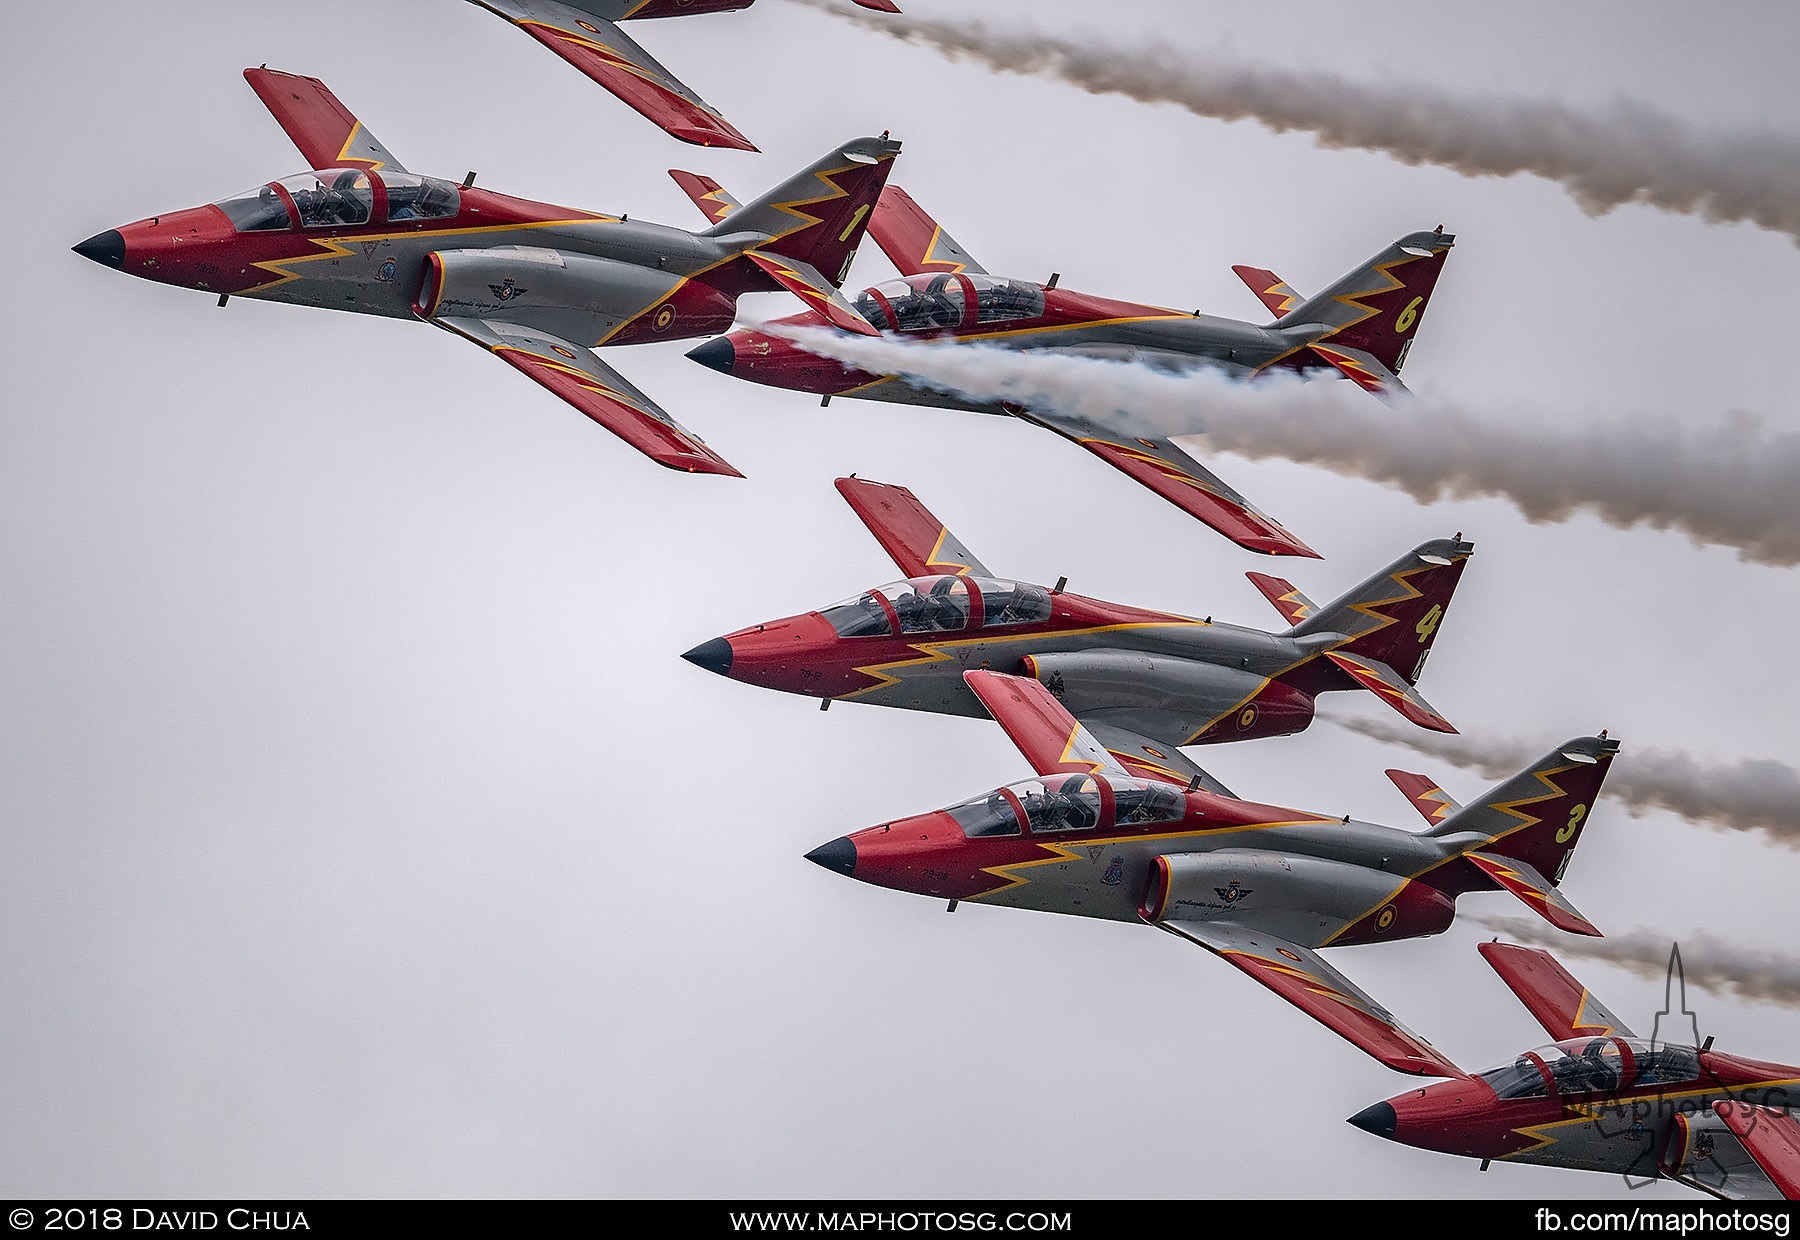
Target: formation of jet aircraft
1100	698
1601	1098
1144	682
1360	327
537	285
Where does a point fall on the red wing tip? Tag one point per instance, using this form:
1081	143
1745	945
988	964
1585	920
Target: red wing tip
729	139
1443	725
880	6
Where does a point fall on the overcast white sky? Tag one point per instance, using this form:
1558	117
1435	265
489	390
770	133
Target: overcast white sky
366	836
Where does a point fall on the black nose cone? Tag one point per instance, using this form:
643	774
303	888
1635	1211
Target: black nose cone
720	355
839	856
1378	1119
107	249
714	656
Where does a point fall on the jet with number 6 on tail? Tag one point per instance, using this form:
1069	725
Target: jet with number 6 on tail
537	285
1601	1098
1360	327
1144	682
1265	888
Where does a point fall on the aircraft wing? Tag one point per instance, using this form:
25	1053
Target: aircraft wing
1385	683
714	200
1293	605
1429	799
1178	478
1152	758
1270	289
920	544
1772	1138
1301	976
1052	740
806	282
322	127
1561	1004
912	240
599	391
609	56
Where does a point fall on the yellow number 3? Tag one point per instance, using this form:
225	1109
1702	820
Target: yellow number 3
1575	816
1428	623
1409	316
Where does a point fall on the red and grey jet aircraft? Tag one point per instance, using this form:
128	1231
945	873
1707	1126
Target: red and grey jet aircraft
1601	1098
586	34
1144	682
1361	327
1264	887
535	284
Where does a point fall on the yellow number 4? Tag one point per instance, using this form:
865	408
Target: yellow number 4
1428	623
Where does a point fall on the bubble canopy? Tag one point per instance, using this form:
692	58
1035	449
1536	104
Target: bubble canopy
944	604
1595	1065
1055	804
341	197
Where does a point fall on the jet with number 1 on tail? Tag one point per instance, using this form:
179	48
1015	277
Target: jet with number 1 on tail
1601	1098
1265	888
1360	327
1145	682
537	285
587	35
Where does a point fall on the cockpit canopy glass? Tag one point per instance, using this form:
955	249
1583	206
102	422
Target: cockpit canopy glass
927	302
938	605
1596	1065
1074	802
331	197
256	210
412	197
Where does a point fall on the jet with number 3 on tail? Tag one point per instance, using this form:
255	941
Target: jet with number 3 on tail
587	35
1144	682
1601	1098
1267	889
1360	327
537	285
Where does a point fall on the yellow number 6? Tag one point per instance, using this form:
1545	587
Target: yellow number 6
1410	315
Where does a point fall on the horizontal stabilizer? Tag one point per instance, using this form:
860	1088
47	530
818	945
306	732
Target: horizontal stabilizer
1362	368
820	295
1429	799
1551	994
593	387
1301	976
1270	289
1535	890
714	201
1287	598
1385	683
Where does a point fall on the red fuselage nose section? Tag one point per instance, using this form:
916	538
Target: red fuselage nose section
800	654
925	854
195	248
1461	1117
777	362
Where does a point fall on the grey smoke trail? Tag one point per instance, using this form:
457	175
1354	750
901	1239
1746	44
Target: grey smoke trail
1730	483
1758	794
1626	152
1707	962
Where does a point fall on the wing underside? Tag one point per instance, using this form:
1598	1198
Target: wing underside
613	59
1052	740
1561	1004
327	133
1771	1137
1301	976
919	543
599	391
1158	464
913	241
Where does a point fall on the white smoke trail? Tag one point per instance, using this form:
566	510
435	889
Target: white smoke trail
1729	483
1625	152
1707	962
1757	794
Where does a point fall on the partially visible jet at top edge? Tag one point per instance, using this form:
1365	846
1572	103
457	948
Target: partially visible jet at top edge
585	33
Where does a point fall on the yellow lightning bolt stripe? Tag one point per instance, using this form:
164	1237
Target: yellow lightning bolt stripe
1575	1022
1587	1112
343	155
1373	909
937	234
348	248
931	558
583	378
616	61
1076	734
1526	820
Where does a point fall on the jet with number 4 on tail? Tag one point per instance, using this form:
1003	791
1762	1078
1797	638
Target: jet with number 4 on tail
1144	682
537	285
587	35
1601	1098
1268	889
1360	327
